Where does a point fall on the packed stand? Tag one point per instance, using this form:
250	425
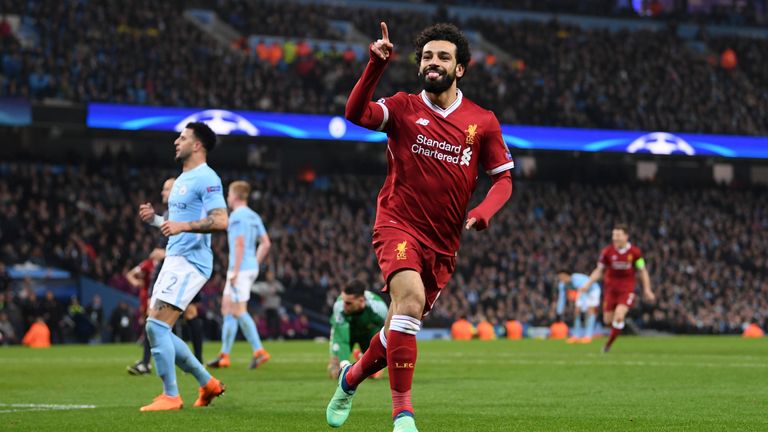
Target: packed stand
647	80
705	247
273	18
560	75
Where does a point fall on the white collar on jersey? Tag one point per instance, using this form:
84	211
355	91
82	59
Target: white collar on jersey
624	249
437	109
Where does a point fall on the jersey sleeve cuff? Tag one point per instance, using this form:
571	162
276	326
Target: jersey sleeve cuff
501	168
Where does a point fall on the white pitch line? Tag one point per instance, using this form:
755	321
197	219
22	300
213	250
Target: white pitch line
41	407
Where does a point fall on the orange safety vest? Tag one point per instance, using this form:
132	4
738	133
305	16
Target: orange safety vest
514	330
753	331
485	331
38	336
462	330
558	330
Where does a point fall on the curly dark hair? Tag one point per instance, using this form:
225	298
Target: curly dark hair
354	288
205	134
447	32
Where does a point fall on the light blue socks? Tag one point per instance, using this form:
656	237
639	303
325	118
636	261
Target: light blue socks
188	362
228	333
577	332
162	348
591	325
248	327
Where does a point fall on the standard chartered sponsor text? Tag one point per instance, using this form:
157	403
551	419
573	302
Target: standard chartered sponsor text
436	149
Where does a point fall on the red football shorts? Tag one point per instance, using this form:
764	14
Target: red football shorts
614	298
397	250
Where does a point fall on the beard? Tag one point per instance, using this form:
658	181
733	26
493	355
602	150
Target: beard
439	85
182	156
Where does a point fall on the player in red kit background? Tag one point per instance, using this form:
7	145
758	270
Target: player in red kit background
438	141
619	264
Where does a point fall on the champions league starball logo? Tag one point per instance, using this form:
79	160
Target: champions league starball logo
222	122
661	143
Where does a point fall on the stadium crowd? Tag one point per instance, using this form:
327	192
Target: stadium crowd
559	75
705	247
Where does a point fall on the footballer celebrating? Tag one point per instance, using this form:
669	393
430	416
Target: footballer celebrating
438	140
619	264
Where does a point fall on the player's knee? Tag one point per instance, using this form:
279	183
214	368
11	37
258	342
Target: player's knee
410	306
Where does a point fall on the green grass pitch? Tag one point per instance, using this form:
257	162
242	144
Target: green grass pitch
645	384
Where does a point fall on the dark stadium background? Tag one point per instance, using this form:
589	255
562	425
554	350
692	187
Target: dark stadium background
70	193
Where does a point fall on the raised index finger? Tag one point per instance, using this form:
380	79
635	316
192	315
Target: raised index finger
384	31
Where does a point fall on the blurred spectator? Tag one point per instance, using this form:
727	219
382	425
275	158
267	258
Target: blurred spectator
286	327
7	333
120	323
270	291
9	306
300	322
5	279
95	312
52	313
78	322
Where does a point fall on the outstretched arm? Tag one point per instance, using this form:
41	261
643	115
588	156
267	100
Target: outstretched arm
360	110
501	189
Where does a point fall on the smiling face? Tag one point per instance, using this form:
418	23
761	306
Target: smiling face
438	67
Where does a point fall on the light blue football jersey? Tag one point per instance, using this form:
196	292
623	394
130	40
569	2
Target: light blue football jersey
195	193
247	223
577	280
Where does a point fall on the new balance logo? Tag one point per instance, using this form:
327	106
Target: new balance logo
466	156
422	121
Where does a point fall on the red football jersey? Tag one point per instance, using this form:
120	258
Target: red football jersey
619	267
433	158
147	269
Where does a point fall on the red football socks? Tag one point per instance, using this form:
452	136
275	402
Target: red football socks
401	358
374	360
615	332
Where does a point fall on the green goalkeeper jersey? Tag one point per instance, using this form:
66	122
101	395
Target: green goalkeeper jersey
346	330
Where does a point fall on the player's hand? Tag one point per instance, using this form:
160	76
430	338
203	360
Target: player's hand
382	48
233	279
582	290
169	228
476	220
147	212
649	296
478	224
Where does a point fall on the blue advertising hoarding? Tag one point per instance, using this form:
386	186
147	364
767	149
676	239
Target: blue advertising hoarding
15	112
324	127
